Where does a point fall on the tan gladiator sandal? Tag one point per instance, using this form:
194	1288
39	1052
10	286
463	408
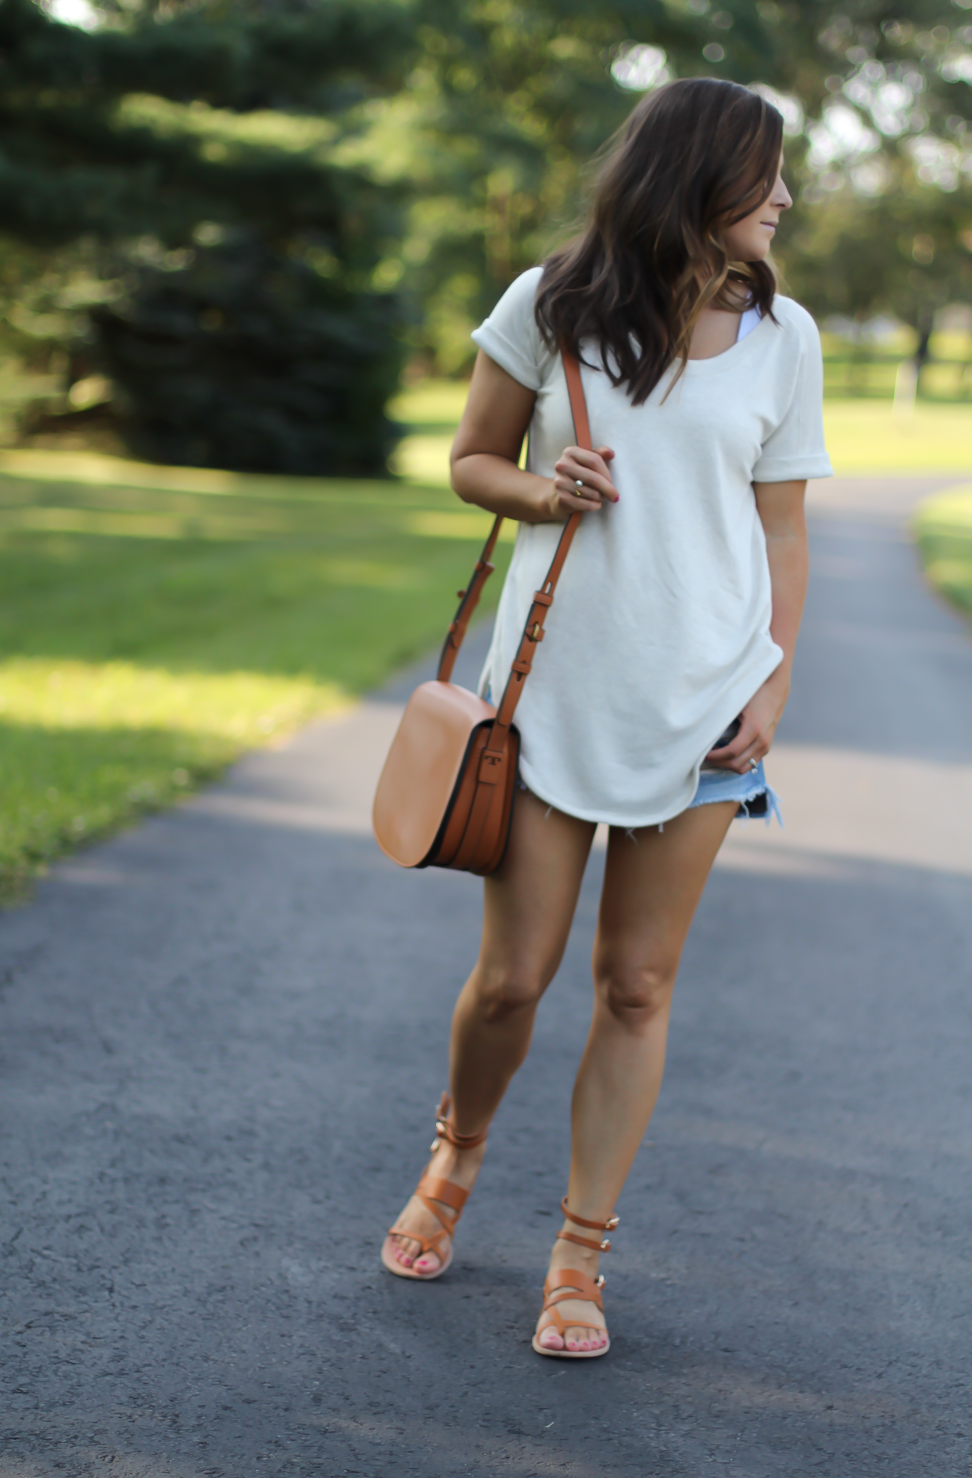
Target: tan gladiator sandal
572	1283
429	1190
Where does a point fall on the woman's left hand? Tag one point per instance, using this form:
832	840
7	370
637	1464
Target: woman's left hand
759	720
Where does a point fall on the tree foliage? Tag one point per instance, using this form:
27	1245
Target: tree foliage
75	160
252	173
884	215
248	358
157	137
508	102
510	99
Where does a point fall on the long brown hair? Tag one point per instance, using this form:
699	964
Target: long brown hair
695	156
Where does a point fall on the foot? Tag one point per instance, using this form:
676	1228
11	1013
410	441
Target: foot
584	1327
447	1163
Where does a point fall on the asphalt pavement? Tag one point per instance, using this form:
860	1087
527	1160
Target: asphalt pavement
223	1034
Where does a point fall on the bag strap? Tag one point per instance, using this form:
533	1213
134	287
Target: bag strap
542	599
468	601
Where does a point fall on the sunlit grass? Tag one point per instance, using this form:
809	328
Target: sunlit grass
155	622
431	403
85	745
424	458
867	436
943	529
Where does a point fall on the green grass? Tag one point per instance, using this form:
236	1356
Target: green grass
943	529
849	377
867	436
155	622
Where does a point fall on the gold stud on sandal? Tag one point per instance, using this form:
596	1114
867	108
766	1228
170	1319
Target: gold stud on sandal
573	1283
430	1190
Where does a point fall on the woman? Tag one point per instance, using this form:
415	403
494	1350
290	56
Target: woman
677	610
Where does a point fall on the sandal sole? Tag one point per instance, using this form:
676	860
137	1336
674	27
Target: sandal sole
570	1354
390	1262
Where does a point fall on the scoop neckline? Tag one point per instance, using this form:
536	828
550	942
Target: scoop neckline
715	363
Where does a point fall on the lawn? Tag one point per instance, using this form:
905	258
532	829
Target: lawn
157	621
866	436
943	529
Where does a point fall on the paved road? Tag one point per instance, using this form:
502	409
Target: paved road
224	1032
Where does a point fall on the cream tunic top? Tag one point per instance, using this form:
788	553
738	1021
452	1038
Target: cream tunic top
659	631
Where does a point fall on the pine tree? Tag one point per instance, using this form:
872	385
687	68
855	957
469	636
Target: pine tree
201	153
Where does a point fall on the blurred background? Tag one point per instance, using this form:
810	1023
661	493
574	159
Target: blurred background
242	249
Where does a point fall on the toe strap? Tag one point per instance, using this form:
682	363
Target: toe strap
427	1244
429	1190
571	1283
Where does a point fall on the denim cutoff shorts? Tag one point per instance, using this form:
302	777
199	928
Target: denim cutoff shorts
752	792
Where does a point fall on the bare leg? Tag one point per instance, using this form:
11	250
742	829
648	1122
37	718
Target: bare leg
652	885
528	911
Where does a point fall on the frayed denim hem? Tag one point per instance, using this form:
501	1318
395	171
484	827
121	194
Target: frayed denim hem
726	785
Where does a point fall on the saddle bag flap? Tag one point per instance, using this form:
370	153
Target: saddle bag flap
423	767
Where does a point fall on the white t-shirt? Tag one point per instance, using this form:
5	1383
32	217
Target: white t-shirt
659	632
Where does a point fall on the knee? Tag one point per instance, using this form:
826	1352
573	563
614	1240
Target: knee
503	990
635	994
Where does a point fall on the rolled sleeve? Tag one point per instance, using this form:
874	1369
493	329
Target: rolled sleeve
507	355
796	449
792	469
510	335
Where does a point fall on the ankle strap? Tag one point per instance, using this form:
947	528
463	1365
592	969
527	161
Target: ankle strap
600	1226
444	1129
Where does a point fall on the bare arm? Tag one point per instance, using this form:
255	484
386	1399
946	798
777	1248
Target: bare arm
780	507
781	512
487	448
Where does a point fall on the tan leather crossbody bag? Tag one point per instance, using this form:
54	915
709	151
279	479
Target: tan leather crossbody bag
445	797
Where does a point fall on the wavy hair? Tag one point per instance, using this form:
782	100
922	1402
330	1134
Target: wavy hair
696	156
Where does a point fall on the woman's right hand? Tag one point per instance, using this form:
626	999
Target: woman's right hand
583	482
